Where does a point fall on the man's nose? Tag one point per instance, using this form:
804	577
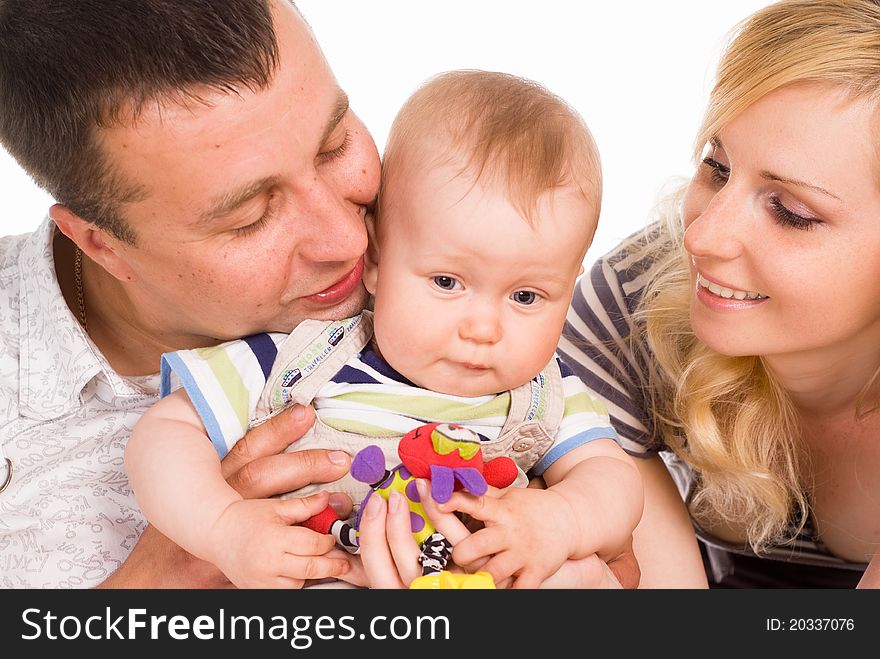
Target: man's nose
331	228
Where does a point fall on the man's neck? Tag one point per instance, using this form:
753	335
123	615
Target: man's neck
116	326
122	332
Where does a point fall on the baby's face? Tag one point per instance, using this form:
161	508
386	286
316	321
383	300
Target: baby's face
470	299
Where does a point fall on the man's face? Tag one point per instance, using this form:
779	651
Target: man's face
254	214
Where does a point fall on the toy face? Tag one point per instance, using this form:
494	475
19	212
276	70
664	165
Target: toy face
442	444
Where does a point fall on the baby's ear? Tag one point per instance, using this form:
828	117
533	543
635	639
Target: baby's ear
371	258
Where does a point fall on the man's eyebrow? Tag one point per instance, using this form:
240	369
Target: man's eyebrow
339	110
770	176
229	201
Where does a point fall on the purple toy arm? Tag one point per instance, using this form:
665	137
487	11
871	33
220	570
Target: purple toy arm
471	480
442	483
368	465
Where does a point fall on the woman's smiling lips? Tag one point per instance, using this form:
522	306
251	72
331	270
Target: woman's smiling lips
342	289
722	298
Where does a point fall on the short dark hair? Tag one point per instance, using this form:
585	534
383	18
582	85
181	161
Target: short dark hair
70	67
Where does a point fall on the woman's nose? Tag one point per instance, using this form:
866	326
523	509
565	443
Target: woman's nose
716	227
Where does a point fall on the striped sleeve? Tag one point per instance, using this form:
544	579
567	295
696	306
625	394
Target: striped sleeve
223	383
584	419
595	341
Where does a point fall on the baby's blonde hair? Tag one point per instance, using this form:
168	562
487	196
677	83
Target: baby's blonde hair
727	416
509	130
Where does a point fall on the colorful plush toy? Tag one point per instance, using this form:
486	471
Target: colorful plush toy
449	457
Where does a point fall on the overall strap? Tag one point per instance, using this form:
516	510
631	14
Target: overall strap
307	359
541	399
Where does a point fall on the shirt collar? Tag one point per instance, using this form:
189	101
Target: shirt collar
57	359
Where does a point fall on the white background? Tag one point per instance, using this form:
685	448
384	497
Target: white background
638	71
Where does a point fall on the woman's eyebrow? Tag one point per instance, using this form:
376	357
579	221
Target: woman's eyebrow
770	176
767	175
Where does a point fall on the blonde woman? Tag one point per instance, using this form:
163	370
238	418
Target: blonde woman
738	339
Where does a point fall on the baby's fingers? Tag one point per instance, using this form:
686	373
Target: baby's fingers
302	568
503	566
294	511
485	508
447	523
480	545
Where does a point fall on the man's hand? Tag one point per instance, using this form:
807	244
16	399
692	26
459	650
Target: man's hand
257	468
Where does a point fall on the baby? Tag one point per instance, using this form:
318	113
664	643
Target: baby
490	198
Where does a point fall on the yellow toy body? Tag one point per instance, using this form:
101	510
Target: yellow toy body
446	580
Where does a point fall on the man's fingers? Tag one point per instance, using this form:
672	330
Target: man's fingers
269	438
276	474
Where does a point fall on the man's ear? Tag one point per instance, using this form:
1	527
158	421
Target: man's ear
95	243
371	258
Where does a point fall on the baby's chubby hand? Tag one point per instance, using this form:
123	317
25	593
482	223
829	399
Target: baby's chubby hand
527	534
258	545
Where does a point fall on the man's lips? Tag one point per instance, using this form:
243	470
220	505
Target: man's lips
340	290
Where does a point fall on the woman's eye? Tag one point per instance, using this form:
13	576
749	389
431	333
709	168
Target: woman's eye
524	297
787	218
720	173
446	282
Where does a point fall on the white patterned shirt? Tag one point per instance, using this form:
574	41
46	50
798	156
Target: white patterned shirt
68	518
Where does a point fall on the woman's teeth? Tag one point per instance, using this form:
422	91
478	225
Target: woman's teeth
727	293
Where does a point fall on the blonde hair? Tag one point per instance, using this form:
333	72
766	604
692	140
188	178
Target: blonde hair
511	131
728	417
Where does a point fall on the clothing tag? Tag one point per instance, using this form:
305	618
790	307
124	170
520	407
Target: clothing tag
309	359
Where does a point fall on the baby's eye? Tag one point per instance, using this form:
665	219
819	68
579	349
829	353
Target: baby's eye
446	282
524	297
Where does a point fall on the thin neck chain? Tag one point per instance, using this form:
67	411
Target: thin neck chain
80	297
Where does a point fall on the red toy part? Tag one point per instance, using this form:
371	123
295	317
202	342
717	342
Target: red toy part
321	522
418	452
500	472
